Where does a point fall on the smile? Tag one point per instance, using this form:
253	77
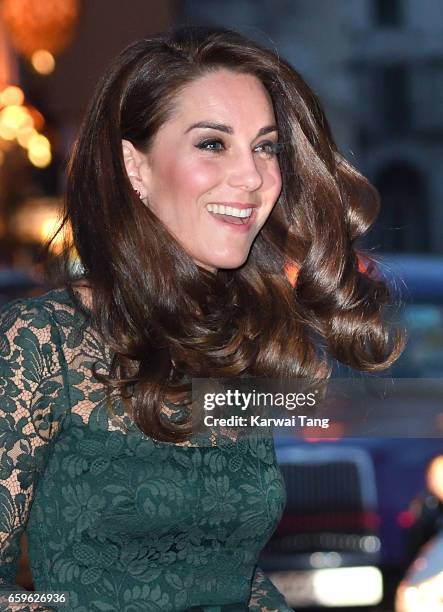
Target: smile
238	219
221	209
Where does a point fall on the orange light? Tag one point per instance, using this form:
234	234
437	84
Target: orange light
37	219
39	151
24	135
6	132
434	476
15	117
38	119
43	62
291	269
46	24
12	95
333	433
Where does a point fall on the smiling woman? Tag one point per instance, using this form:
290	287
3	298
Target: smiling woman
216	224
212	183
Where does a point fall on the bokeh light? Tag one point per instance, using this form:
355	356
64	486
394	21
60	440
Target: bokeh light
12	95
15	118
434	477
24	135
43	62
46	24
38	219
39	151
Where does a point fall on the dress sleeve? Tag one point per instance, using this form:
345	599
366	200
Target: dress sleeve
265	597
31	405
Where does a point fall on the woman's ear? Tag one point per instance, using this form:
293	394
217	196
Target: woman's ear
134	161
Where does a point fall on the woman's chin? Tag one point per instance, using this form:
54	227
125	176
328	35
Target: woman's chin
229	261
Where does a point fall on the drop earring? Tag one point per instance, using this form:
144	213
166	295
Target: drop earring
143	199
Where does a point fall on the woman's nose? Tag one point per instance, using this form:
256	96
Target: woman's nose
244	172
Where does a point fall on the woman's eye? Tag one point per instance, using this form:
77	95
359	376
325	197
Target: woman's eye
215	145
270	148
211	145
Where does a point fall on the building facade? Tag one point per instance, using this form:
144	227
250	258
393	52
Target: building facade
377	67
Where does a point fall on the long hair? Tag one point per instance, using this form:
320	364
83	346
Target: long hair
167	320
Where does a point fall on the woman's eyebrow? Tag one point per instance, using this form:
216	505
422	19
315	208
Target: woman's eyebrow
227	128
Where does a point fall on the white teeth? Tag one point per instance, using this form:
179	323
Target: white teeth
221	209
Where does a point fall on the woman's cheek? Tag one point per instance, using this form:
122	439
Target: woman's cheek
272	187
273	177
202	175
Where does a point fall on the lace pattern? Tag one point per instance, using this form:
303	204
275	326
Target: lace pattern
118	520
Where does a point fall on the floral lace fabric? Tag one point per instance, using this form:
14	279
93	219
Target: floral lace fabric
119	521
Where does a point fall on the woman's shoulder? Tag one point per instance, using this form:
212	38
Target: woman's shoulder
37	334
59	306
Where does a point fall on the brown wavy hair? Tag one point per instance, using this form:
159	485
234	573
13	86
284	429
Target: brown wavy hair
167	320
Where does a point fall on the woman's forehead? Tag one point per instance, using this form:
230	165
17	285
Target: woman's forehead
221	96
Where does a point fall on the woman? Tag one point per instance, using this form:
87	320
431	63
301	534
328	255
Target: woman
203	169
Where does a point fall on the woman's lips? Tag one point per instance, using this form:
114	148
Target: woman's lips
235	223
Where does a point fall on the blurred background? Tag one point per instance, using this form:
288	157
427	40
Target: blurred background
377	67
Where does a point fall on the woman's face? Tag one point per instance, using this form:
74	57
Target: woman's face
211	174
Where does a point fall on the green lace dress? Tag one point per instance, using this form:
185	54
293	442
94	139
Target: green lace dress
119	521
